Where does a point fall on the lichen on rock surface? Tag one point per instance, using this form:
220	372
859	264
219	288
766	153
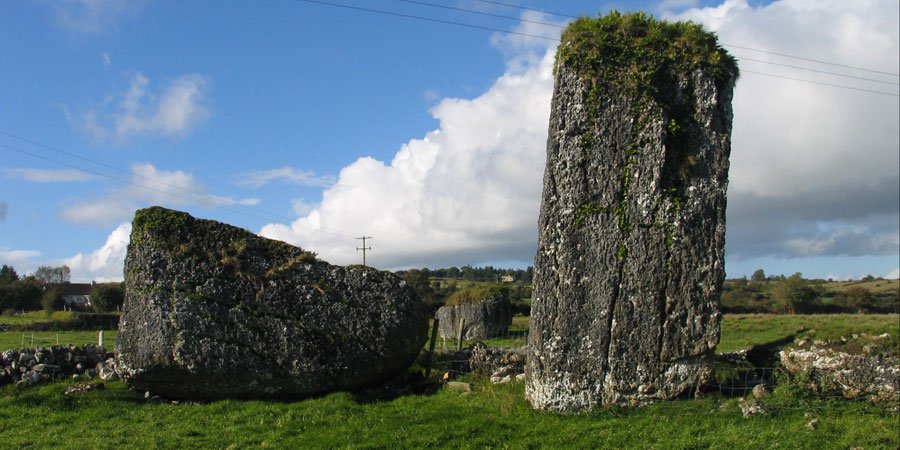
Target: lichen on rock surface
214	311
483	312
632	223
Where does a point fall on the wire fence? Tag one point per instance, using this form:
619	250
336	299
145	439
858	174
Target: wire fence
35	339
730	381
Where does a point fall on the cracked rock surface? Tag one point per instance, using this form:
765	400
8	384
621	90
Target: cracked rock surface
214	311
631	240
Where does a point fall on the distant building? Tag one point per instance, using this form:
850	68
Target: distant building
76	294
507	278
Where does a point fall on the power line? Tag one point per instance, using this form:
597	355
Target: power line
429	19
725	44
193	196
127	172
472	11
891	83
819	82
364	248
449	22
527	9
211	202
811	59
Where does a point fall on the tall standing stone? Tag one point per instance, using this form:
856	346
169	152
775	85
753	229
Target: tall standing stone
632	223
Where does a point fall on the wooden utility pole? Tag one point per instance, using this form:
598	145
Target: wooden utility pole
364	248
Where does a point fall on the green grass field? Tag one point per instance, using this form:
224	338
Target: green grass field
740	331
491	416
32	339
874	286
495	416
36	317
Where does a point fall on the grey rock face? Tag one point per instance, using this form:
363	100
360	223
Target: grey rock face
484	319
213	311
875	378
631	237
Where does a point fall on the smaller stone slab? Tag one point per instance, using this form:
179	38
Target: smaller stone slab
483	319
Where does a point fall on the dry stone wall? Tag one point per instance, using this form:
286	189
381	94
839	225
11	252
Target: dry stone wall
35	365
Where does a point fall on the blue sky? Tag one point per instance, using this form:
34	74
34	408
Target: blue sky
315	124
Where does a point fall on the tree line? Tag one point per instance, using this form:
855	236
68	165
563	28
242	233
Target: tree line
797	295
469	273
436	286
43	291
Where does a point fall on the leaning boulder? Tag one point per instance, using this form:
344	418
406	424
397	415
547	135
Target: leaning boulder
214	311
484	312
629	263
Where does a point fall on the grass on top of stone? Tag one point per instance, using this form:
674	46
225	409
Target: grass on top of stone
634	48
477	293
491	416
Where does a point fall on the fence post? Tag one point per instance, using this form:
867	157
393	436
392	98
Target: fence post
100	339
434	329
459	335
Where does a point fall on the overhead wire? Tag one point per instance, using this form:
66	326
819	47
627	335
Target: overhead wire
450	22
482	13
209	200
429	19
527	9
811	59
127	172
891	83
821	83
785	55
193	195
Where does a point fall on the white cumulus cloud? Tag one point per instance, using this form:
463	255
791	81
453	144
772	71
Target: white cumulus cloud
148	186
813	171
173	111
813	167
105	263
467	192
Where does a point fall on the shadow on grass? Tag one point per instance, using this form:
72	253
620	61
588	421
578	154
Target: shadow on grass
737	374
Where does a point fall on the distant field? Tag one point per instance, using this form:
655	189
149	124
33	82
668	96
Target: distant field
35	317
16	339
874	286
740	331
